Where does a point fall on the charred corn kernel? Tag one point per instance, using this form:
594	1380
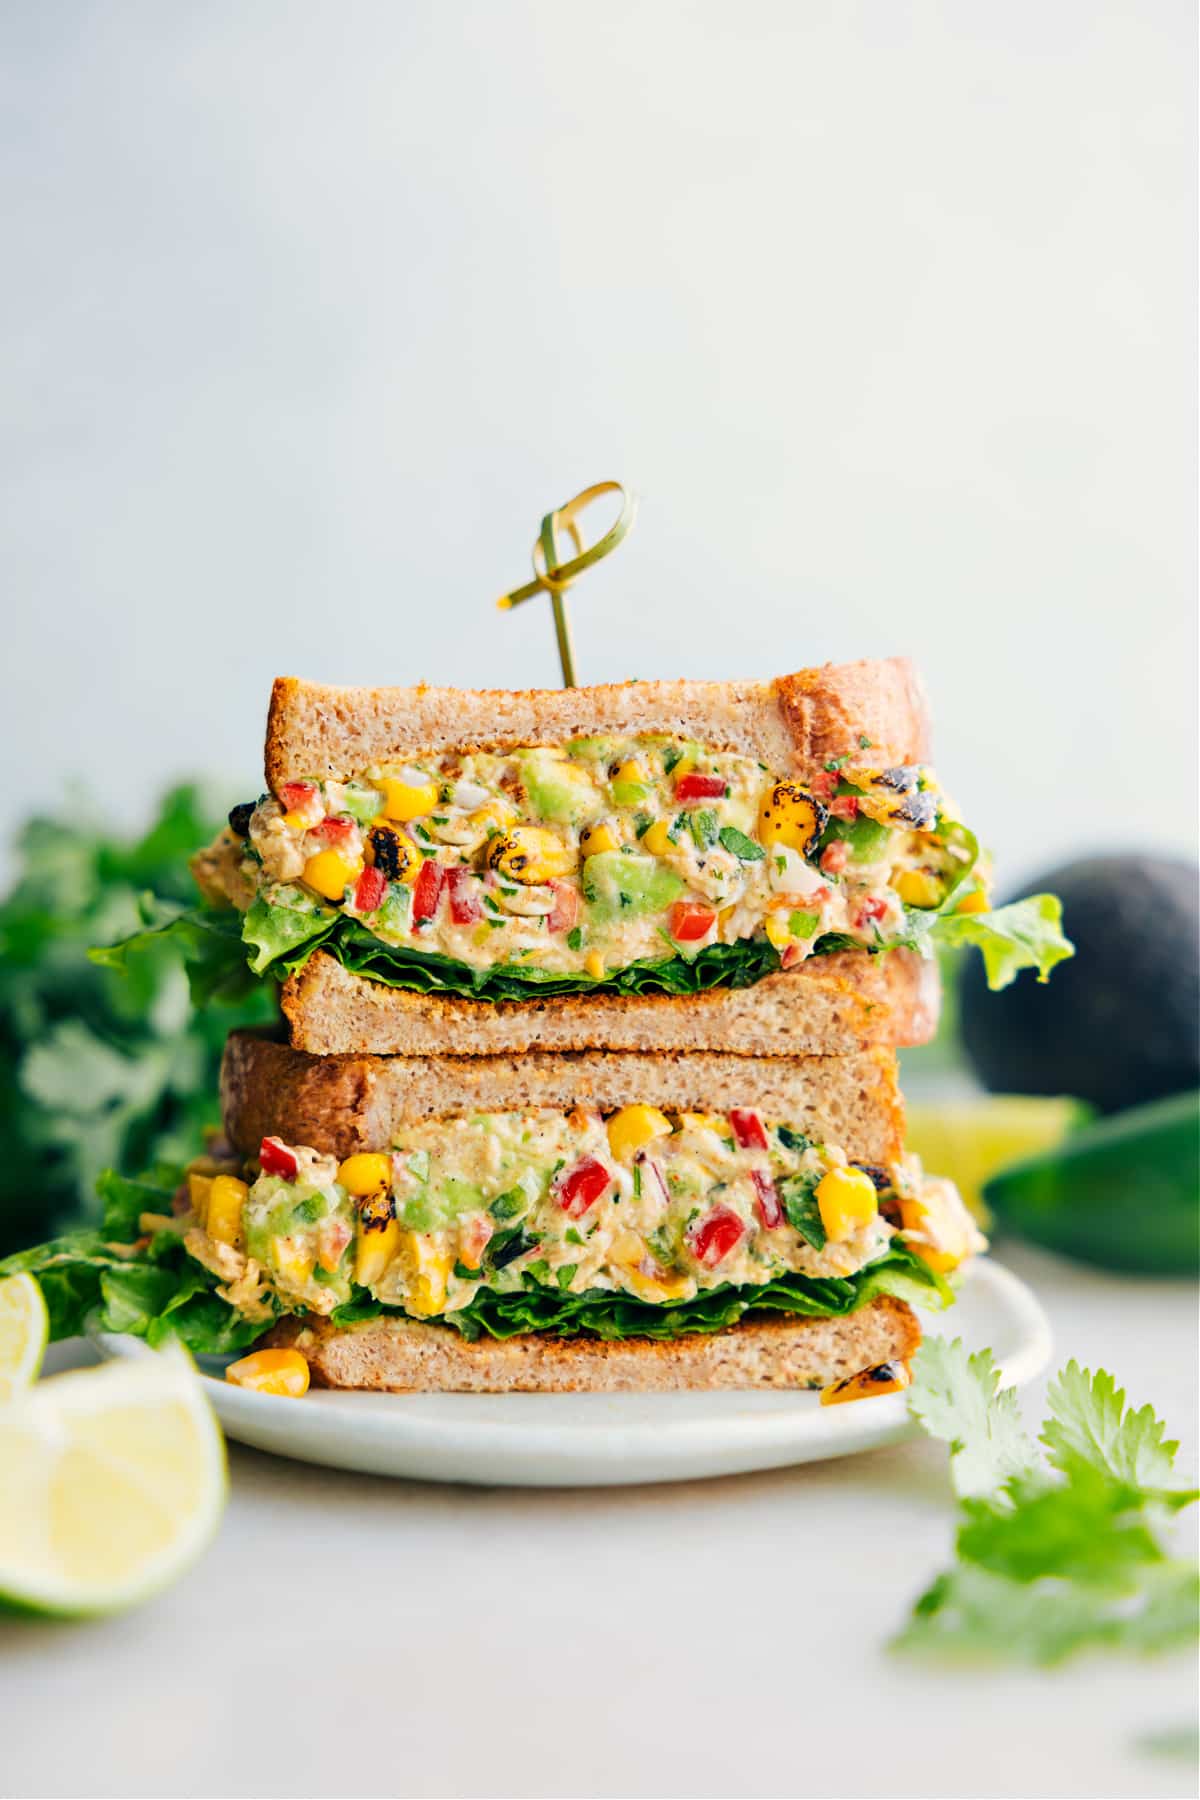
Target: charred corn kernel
405	800
593	962
974	902
296	821
790	815
778	930
917	887
428	1269
199	1188
294	1263
634	1126
884	1378
598	838
367	1173
393	853
846	1199
223	1216
530	855
657	840
374	1251
271	1372
331	873
704	1121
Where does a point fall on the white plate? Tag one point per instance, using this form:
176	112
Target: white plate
605	1440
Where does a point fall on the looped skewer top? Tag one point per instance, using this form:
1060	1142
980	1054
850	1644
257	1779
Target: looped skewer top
553	576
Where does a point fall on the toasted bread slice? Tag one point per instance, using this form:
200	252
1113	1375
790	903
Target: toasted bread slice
828	1006
794	724
403	1356
340	1104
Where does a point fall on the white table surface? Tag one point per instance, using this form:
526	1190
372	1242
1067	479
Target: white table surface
353	1636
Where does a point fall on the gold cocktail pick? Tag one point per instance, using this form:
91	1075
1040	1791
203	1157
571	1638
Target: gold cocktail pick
553	576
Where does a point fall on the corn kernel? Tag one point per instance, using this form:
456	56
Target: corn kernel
223	1216
943	1235
790	815
630	771
405	800
917	887
373	1252
777	929
366	1173
331	873
199	1188
598	838
493	815
294	1264
296	821
974	902
271	1372
630	1253
530	855
846	1199
657	840
704	1121
593	962
634	1126
428	1269
884	1378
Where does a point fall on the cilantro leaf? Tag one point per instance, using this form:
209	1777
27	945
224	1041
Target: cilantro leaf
1090	1425
955	1397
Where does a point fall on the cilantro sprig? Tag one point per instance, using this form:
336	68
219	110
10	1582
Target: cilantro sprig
1060	1553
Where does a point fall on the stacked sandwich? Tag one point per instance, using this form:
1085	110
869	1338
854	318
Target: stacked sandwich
592	1001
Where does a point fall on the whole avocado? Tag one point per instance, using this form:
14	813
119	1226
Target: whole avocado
1117	1024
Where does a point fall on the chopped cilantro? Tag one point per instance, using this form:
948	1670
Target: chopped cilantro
565	1275
574	938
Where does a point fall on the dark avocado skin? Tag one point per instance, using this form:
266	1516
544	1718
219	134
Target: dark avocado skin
1117	1024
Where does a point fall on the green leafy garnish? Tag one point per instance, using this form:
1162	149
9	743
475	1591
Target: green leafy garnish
1027	934
1059	1555
739	845
798	1194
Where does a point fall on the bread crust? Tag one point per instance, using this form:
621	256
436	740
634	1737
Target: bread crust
341	1104
827	1006
794	723
397	1356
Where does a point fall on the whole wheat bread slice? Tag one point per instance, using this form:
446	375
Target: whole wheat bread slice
828	1006
340	1104
405	1356
867	711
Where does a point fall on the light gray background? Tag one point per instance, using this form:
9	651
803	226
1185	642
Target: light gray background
310	311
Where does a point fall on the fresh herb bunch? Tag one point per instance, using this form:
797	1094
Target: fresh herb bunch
99	1067
1056	1553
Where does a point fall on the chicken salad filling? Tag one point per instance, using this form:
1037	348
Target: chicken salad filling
566	1210
581	862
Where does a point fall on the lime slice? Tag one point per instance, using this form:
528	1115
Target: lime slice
971	1139
24	1331
114	1481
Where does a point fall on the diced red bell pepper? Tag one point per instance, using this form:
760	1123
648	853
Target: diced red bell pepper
335	830
824	784
369	890
700	787
566	906
582	1186
845	806
766	1199
335	1234
834	857
748	1128
792	954
276	1159
298	796
868	909
427	890
475	1234
717	1233
690	921
466	907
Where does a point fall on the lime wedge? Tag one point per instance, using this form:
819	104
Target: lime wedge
24	1331
114	1481
971	1139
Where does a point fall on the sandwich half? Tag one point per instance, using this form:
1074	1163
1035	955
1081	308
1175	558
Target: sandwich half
556	868
570	1221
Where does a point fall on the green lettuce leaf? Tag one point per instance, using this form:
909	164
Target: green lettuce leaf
546	1309
1027	934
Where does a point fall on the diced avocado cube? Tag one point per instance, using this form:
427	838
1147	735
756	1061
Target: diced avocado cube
559	791
618	886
